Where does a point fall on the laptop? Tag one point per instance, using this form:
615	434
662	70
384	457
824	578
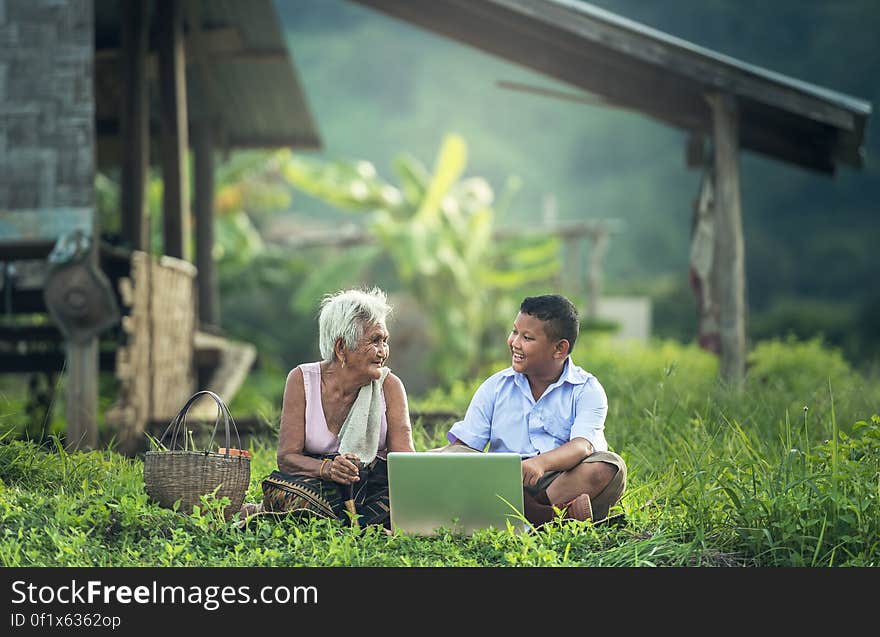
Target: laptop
459	492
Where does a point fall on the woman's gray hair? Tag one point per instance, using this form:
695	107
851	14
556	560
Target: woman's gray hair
346	314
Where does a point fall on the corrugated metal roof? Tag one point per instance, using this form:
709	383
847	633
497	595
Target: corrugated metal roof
241	77
674	43
264	104
664	77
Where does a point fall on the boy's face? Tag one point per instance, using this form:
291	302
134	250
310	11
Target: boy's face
531	349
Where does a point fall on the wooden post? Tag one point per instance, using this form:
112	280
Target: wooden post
572	269
729	252
549	209
172	89
81	387
209	306
703	273
81	395
599	247
135	126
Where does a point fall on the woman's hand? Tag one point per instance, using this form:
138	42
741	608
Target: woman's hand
344	469
532	471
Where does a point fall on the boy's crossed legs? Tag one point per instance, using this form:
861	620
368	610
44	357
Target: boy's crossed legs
601	476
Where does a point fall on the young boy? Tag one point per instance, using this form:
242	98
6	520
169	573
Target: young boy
552	413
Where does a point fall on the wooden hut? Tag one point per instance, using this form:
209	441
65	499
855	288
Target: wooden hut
123	85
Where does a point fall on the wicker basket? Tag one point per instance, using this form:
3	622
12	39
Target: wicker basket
179	474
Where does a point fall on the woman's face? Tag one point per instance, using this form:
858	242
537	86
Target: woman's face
371	351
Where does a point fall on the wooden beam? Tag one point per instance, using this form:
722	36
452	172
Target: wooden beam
134	121
729	251
173	115
637	68
81	395
220	43
214	40
576	58
48	361
598	250
705	67
234	362
294	141
209	305
352	235
108	131
23	333
105	59
571	275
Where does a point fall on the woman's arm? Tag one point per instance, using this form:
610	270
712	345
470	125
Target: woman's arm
399	436
292	434
563	458
292	439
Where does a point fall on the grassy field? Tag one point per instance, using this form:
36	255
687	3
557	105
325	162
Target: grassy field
782	472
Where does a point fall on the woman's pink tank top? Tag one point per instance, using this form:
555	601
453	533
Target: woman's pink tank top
319	439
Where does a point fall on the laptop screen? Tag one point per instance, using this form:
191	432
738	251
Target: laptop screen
459	492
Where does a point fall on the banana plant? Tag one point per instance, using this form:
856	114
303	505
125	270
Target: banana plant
437	228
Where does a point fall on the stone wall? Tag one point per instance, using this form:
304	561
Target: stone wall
47	132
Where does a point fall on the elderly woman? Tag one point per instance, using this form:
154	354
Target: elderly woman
340	417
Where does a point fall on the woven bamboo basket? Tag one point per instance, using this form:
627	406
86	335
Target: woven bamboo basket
186	475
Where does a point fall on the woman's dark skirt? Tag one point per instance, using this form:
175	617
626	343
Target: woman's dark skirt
306	495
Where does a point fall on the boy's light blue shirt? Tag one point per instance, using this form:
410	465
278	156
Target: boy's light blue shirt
504	414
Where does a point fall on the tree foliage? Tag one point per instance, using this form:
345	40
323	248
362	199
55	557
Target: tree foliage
436	226
807	236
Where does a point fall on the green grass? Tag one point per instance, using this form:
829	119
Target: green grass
718	477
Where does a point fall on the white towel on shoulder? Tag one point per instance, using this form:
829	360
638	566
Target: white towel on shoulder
360	431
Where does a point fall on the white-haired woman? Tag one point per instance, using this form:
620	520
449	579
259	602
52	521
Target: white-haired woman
340	417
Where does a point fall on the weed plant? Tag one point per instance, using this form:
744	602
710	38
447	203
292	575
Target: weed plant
782	471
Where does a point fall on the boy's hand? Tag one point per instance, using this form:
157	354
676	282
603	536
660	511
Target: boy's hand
532	470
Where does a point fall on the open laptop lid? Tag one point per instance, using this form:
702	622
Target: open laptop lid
461	492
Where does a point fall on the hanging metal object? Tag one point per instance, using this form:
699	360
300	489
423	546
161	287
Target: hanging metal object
77	293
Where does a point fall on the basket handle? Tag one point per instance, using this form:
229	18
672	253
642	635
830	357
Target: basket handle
179	421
